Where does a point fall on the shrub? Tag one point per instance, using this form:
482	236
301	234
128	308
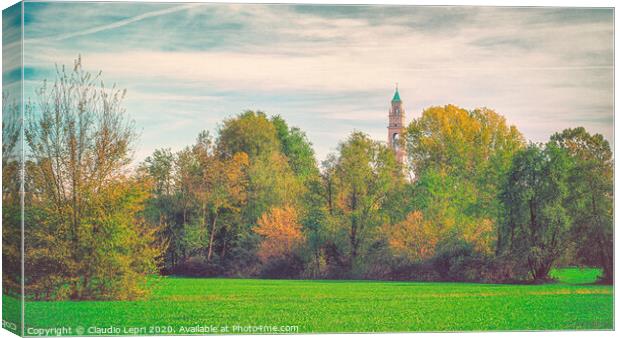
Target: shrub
288	267
198	266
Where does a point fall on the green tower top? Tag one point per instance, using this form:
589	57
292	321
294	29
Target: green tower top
396	97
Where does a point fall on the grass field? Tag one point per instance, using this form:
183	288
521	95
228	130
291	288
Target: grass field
341	306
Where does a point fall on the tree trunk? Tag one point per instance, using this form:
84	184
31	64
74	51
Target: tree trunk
354	227
211	238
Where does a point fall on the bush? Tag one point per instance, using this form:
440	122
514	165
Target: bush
198	266
457	261
288	267
450	259
422	271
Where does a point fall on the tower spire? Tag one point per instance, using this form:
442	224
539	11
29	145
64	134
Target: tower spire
396	126
396	97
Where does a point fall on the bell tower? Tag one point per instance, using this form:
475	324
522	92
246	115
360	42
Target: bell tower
396	127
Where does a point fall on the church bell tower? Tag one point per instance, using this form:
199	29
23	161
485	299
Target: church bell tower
396	127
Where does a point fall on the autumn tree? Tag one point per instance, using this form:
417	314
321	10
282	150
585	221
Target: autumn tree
223	185
11	201
414	238
281	232
460	160
79	140
271	181
454	139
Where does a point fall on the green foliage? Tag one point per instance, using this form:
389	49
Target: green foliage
590	197
451	259
117	267
271	183
297	149
460	159
164	207
251	133
365	172
537	223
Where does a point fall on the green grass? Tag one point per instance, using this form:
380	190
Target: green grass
11	312
347	306
576	275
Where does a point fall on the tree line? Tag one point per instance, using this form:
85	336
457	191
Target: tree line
473	202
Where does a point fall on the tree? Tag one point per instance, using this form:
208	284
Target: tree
460	141
79	140
186	179
297	149
281	231
590	198
272	183
537	224
223	186
414	238
460	159
117	242
328	176
11	199
365	172
250	132
315	223
161	207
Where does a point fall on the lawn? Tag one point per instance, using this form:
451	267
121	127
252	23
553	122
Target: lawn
180	304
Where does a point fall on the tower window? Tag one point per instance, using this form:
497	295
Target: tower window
395	141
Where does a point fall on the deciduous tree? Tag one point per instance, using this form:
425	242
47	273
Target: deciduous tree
281	232
537	223
365	172
87	232
590	197
414	238
461	159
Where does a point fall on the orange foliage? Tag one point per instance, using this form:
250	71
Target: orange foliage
281	232
413	238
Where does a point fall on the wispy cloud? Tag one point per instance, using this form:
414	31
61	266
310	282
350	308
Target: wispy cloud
331	69
115	24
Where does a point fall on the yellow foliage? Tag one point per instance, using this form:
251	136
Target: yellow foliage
413	238
481	235
281	231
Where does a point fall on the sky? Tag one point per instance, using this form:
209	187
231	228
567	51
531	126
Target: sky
330	70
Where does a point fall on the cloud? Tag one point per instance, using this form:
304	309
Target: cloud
113	25
330	67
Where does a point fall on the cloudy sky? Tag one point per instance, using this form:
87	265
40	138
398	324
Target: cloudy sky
331	69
